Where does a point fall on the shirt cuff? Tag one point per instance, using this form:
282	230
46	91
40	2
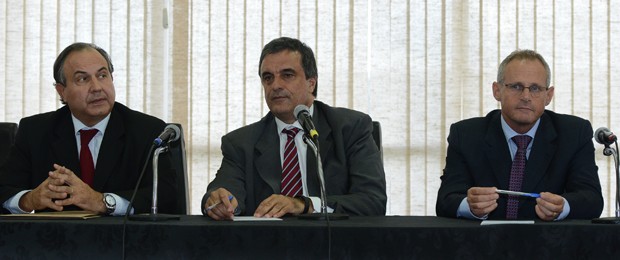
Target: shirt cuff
12	204
316	205
565	211
465	212
121	205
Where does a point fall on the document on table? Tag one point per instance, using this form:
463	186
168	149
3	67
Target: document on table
505	222
251	218
54	215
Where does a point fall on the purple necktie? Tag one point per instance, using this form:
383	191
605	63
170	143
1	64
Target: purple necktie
291	174
516	174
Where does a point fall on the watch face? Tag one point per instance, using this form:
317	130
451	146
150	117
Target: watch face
110	201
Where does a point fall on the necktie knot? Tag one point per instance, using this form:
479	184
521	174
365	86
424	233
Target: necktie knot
522	141
87	135
291	133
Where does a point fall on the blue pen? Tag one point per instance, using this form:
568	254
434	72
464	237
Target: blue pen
230	197
517	193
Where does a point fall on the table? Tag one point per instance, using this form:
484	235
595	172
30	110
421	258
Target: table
389	237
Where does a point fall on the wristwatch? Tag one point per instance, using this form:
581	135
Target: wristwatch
306	202
110	203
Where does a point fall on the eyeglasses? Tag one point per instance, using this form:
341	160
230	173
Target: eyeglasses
518	88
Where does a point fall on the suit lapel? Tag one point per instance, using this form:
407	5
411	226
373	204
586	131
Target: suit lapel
497	152
111	150
267	160
64	145
541	154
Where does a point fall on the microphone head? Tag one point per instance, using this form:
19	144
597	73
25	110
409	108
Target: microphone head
299	109
599	135
177	132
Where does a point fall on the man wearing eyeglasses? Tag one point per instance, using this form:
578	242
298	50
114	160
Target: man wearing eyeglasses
546	157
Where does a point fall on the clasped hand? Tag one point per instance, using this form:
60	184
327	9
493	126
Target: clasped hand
62	188
483	200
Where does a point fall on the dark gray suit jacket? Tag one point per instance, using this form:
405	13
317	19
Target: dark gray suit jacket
355	181
49	138
561	161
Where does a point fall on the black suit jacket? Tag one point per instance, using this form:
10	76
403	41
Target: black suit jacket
49	138
561	161
355	181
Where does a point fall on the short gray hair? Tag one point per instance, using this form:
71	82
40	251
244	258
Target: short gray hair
523	55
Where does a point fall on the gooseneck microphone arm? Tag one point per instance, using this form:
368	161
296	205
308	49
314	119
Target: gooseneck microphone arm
315	148
158	151
614	153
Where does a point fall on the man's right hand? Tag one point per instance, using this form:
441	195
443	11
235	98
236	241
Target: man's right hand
224	208
482	200
42	197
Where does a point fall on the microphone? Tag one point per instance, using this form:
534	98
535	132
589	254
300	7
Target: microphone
302	114
604	136
170	134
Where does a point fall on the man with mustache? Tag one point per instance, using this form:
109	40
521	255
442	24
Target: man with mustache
89	153
521	147
253	178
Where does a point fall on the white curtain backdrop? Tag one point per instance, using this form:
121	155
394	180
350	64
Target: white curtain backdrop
416	66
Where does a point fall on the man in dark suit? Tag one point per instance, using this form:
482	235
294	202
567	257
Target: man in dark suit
556	150
43	171
251	178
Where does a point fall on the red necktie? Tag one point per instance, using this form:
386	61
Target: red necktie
291	175
516	174
87	166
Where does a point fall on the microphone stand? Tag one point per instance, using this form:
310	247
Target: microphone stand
154	216
323	215
612	220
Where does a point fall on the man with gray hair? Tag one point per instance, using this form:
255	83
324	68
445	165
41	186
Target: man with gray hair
521	161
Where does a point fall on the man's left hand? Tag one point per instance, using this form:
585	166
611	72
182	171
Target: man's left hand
549	206
278	205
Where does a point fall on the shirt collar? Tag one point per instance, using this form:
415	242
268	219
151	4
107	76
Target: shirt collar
509	133
101	126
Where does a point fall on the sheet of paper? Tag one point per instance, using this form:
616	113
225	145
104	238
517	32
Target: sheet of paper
250	218
54	215
505	222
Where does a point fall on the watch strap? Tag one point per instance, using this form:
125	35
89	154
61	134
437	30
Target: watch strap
306	201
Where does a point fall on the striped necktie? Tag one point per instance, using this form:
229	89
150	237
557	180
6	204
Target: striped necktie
291	174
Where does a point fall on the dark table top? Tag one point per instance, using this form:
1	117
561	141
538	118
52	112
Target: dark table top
385	237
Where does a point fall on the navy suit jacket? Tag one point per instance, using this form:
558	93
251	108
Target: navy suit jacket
49	138
561	162
354	177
